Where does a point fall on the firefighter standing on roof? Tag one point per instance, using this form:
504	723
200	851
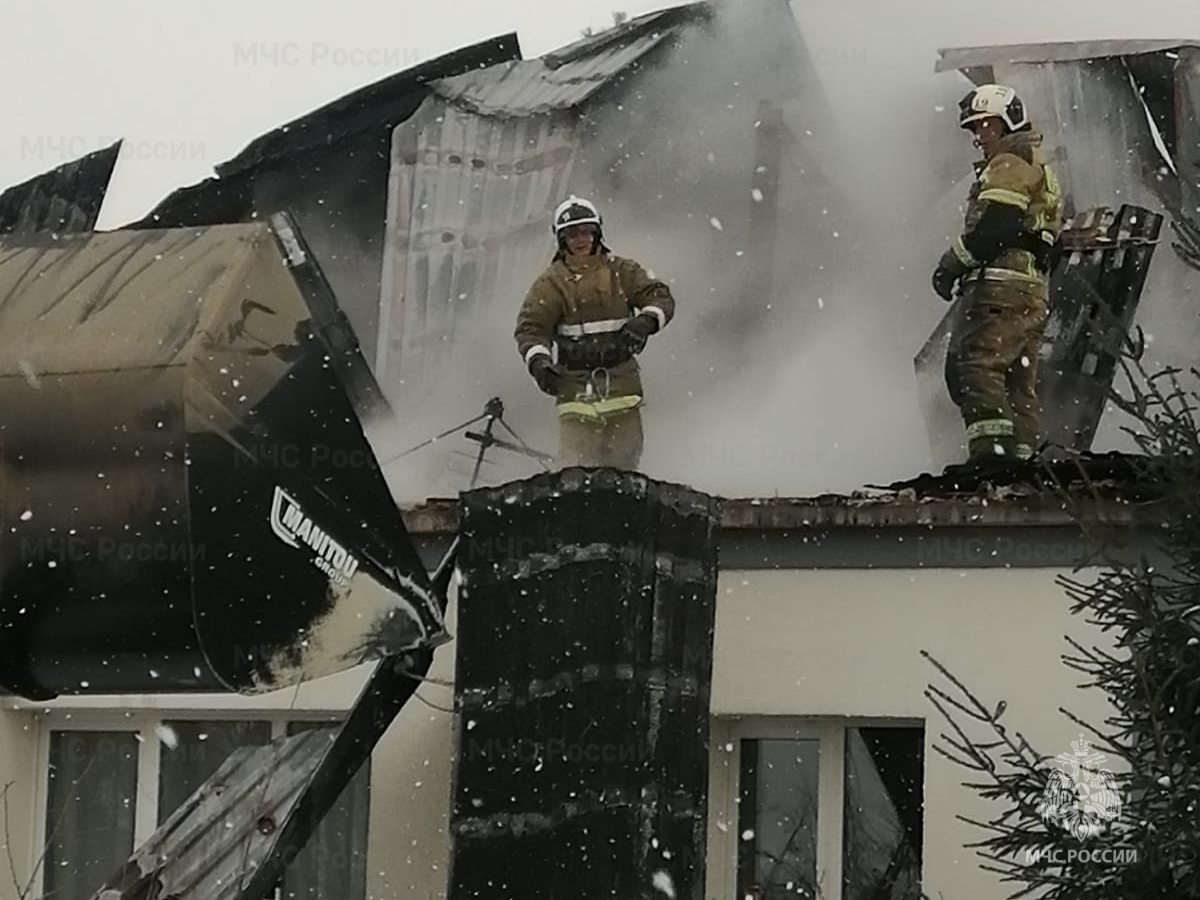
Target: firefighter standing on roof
596	310
1002	261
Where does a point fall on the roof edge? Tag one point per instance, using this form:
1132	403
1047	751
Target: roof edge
441	515
956	58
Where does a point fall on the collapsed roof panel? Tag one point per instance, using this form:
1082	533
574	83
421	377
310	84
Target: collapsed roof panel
65	199
189	502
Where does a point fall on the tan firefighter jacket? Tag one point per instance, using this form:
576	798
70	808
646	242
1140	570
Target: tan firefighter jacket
578	310
1017	175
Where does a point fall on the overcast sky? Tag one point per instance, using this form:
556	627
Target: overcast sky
188	86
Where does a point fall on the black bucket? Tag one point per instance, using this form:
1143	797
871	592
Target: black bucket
188	499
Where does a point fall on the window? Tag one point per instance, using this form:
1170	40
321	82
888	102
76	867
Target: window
90	803
823	810
144	770
334	863
191	752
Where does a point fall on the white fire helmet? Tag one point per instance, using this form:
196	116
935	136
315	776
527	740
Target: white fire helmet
575	211
990	100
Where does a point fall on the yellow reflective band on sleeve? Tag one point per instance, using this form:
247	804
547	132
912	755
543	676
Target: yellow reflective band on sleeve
989	428
599	409
963	254
1005	196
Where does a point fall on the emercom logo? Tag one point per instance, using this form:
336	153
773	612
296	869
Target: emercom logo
1081	796
292	526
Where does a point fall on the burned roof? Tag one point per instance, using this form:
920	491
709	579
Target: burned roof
380	105
65	199
570	75
1112	487
1051	51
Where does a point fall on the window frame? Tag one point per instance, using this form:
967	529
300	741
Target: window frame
725	764
143	724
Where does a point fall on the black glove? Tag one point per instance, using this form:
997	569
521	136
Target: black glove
943	282
546	374
636	332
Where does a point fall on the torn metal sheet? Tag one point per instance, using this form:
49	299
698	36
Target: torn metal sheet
187	499
235	836
64	200
1094	294
226	829
586	616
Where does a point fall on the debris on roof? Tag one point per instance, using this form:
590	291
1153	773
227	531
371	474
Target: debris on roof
1114	475
65	199
569	76
1110	486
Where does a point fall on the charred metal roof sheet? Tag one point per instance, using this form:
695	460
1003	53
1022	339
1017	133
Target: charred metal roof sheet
568	76
1052	51
65	199
380	105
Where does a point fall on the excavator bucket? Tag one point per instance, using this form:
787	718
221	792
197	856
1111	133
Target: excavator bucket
188	500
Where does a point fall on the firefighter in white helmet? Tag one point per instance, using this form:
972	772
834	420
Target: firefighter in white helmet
579	331
1002	263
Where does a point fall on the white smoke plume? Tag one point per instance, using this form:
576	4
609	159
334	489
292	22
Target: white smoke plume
811	389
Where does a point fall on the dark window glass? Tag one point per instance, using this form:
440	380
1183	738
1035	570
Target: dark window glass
883	817
777	819
334	862
91	810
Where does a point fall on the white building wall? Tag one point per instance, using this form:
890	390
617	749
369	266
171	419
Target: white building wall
18	776
847	643
791	644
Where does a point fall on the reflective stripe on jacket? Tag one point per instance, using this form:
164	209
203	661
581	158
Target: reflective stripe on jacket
1016	175
578	310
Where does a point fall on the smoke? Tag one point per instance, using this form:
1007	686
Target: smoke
808	385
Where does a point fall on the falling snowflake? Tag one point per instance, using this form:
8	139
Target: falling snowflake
663	882
167	735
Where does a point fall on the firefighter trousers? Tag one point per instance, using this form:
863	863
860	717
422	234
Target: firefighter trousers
614	441
991	365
